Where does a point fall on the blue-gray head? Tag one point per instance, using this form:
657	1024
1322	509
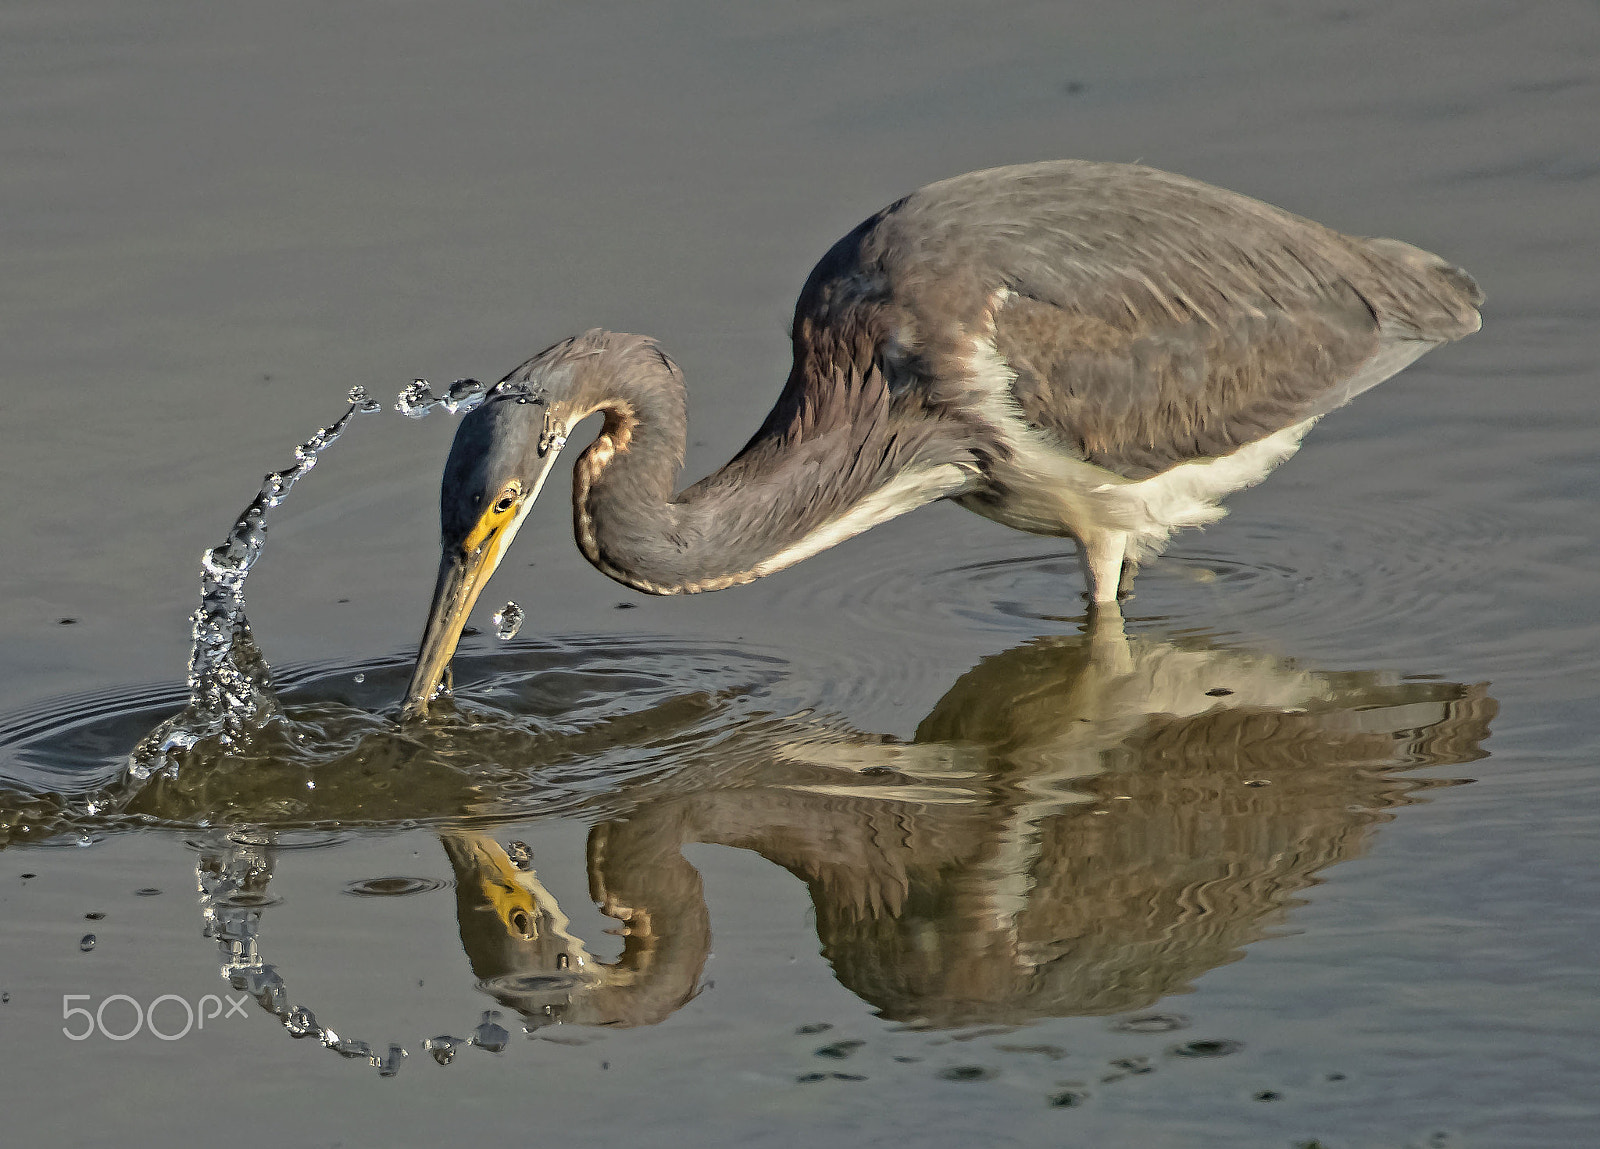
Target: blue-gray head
504	450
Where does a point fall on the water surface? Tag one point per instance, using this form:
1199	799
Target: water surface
882	847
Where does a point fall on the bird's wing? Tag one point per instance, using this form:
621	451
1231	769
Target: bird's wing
1153	320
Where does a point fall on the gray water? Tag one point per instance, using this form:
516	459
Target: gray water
893	797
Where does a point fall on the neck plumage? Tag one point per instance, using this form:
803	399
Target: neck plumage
801	485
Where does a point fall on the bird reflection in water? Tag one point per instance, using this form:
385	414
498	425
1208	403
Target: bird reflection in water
1081	826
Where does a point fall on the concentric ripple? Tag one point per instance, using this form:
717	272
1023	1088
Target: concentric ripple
1349	571
393	887
531	726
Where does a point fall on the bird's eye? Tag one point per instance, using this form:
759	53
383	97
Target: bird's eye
506	500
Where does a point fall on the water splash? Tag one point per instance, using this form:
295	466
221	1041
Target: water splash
230	686
233	896
418	400
507	621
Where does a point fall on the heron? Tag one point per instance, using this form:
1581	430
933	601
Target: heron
1084	350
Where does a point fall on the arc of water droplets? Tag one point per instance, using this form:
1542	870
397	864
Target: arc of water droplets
418	401
229	684
233	895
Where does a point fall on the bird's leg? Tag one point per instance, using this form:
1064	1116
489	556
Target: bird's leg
1102	552
1130	568
1108	641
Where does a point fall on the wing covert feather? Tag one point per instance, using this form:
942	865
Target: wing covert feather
1150	319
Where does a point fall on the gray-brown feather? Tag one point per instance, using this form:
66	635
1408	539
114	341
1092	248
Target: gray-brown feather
839	432
1150	319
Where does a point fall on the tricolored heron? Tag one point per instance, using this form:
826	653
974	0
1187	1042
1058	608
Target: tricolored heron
1093	351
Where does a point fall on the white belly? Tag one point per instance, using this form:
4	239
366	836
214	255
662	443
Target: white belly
1045	490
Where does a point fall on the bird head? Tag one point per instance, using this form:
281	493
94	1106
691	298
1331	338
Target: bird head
504	450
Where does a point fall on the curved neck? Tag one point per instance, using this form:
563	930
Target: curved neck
622	485
795	489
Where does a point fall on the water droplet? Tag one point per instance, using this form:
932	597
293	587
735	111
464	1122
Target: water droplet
463	395
392	887
86	943
147	892
490	1034
359	678
364	402
416	401
389	1064
347	1047
94	915
1218	692
443	1048
521	855
967	1073
5	999
507	621
301	1022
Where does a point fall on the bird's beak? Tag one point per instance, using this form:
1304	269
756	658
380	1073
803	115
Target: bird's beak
461	580
463	574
